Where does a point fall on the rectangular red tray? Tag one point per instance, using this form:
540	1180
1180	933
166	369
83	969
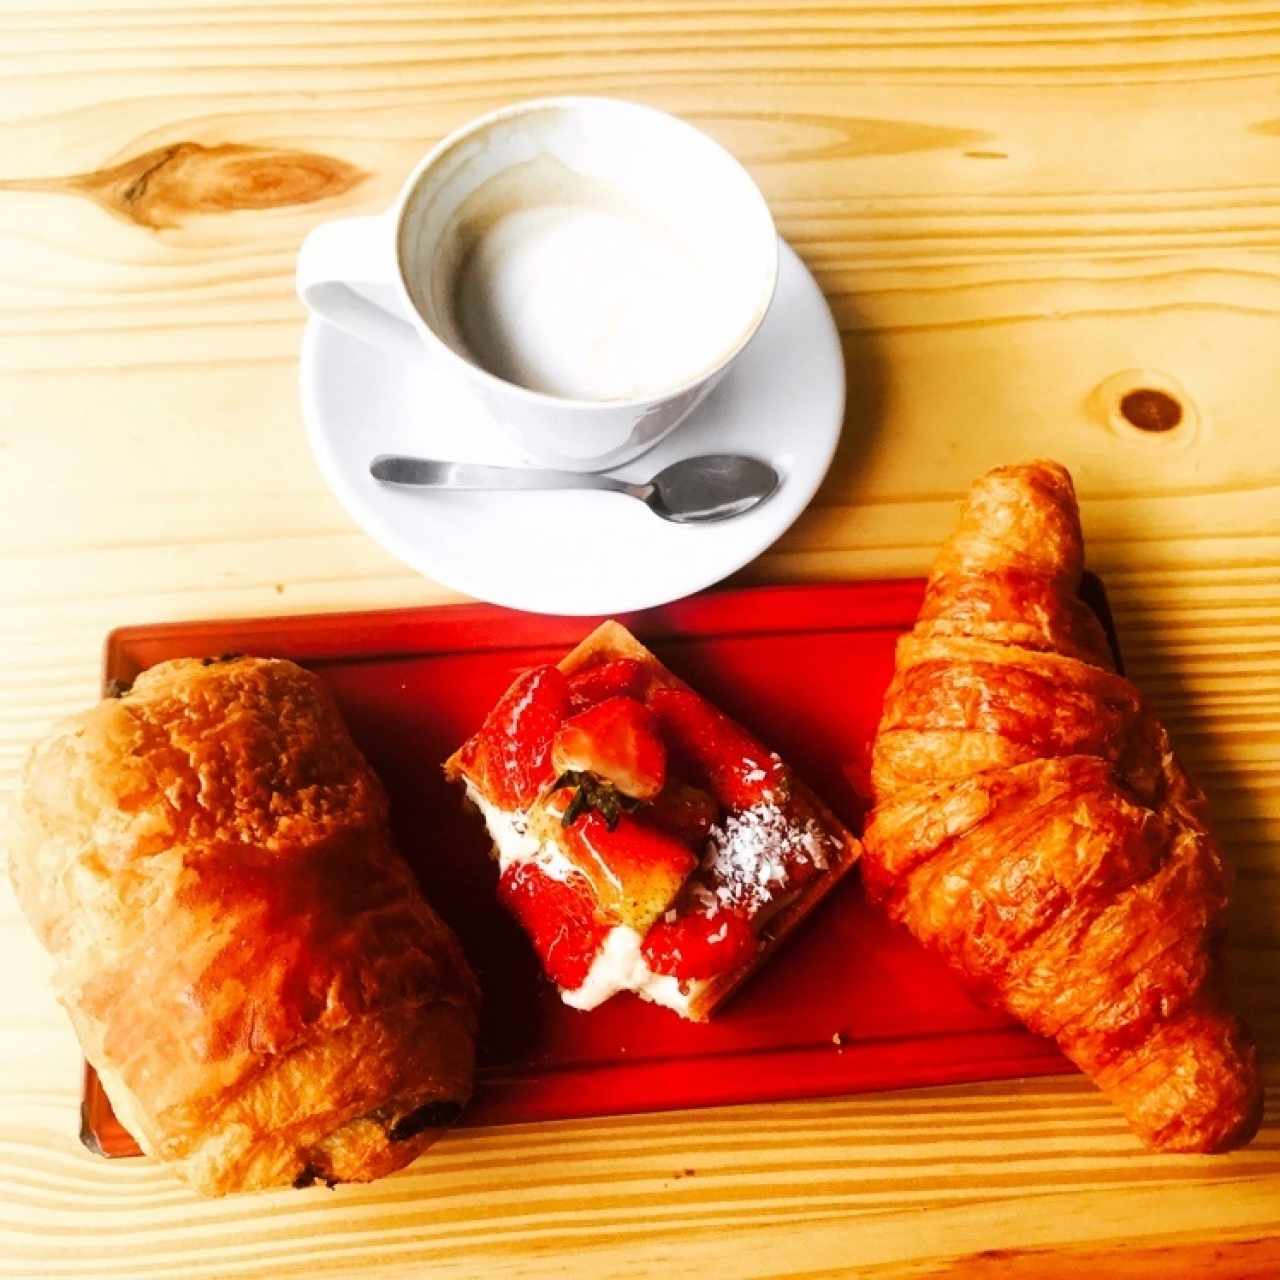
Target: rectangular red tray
849	1004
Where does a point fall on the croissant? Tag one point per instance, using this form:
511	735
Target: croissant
247	962
1033	827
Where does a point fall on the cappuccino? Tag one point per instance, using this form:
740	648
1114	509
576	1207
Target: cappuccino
561	283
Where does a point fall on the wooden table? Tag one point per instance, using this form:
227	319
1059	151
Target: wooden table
1020	213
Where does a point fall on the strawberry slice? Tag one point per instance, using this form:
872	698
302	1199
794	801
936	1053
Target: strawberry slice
620	677
509	758
635	869
700	946
715	751
687	812
559	917
616	740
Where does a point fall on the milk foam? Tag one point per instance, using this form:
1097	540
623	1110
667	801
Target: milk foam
564	285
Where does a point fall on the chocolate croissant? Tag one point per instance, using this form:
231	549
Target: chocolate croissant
248	963
1033	826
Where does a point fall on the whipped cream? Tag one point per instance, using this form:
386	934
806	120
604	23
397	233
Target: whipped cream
619	966
513	842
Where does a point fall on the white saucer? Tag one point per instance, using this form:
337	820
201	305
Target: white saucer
574	552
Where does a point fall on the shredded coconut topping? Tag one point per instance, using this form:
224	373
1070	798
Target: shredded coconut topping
706	901
748	854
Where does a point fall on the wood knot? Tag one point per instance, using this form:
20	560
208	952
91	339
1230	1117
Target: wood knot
1144	404
163	187
1151	410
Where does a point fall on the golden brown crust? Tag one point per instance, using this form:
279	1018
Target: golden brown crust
1033	826
248	963
1025	519
612	640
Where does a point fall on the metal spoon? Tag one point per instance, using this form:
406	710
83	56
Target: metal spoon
715	486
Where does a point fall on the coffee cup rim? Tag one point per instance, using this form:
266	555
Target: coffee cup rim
526	106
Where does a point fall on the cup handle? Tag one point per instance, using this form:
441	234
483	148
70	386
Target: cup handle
340	265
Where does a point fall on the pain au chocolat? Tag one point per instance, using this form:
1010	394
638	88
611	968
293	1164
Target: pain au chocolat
247	961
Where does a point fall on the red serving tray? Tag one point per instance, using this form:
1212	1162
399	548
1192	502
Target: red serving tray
849	1004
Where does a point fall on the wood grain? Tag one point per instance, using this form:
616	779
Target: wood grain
1020	212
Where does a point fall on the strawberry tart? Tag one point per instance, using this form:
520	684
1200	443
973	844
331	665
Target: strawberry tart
646	842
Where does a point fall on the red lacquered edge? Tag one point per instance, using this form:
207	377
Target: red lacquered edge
793	1075
457	628
796	1075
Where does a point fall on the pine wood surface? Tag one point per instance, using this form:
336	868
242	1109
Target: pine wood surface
1019	211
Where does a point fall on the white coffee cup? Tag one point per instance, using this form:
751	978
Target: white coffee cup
674	255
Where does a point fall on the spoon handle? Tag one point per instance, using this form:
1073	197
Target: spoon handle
395	468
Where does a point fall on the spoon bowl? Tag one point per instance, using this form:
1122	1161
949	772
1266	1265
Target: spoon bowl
716	486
